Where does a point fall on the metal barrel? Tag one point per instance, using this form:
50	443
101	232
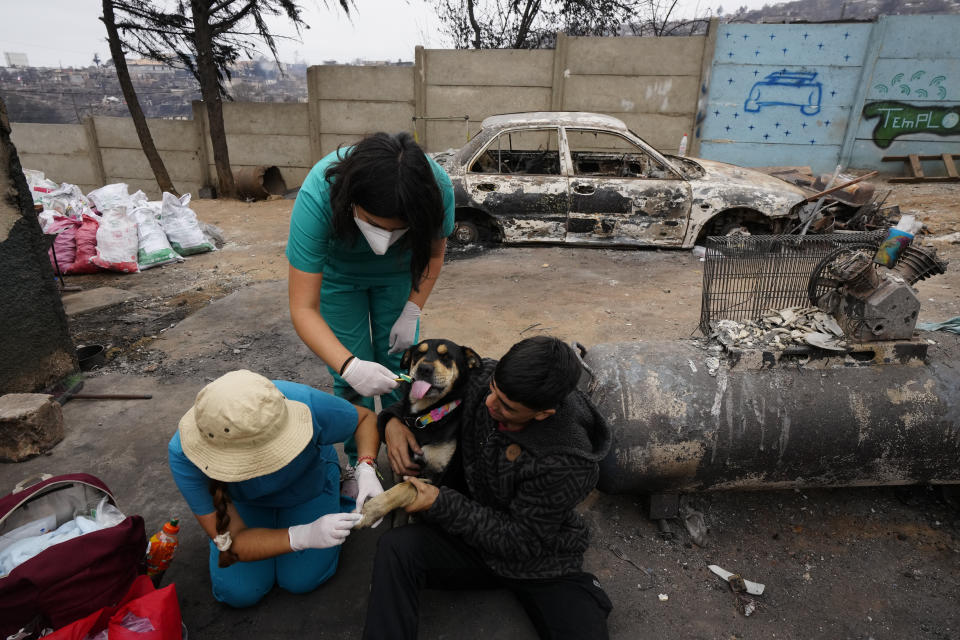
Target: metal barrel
886	414
259	182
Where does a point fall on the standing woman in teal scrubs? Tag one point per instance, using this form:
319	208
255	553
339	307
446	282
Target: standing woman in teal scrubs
367	239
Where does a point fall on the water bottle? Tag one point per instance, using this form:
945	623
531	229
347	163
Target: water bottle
682	150
160	550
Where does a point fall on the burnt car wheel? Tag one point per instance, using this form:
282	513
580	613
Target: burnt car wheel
466	232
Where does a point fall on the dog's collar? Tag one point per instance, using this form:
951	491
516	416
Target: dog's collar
435	415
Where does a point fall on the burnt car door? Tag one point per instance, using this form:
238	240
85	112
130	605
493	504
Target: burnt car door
518	179
622	194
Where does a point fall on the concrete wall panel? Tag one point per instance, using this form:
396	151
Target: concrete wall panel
662	132
58	139
59	168
364	83
480	102
282	151
630	56
912	99
782	94
361	118
775	155
330	141
175	135
631	94
266	118
490	67
121	165
913	37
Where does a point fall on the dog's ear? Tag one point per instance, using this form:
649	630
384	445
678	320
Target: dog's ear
473	360
407	357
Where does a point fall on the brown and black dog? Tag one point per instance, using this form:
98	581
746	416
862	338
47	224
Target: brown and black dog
439	371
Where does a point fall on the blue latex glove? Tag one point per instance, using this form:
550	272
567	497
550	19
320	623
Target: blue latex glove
404	330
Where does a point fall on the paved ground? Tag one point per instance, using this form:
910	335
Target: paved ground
841	563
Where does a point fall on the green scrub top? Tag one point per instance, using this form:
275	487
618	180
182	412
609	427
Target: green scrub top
313	248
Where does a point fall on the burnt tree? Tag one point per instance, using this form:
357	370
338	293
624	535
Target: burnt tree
130	96
207	37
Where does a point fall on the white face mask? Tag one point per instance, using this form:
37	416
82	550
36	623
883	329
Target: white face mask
378	239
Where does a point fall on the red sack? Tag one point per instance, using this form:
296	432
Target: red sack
71	579
86	247
159	607
64	244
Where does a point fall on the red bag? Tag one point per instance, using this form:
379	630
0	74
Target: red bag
86	247
64	244
74	578
159	607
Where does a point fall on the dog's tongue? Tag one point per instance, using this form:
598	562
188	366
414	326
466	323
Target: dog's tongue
419	389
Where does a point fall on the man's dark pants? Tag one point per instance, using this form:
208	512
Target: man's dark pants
420	556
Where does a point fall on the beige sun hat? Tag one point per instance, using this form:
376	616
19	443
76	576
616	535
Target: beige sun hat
242	427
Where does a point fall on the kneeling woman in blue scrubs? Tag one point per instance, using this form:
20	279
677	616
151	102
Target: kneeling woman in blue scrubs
254	460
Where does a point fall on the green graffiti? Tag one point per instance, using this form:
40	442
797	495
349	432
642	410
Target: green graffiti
899	118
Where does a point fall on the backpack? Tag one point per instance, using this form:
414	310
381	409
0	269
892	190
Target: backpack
76	577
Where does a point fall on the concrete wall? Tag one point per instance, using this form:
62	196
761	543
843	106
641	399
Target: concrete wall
346	103
828	94
782	95
477	84
123	160
263	133
59	150
911	100
35	347
755	95
649	83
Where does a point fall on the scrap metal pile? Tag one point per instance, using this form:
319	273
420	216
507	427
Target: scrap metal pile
839	203
781	329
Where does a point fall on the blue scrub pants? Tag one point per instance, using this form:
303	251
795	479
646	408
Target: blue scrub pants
243	584
361	310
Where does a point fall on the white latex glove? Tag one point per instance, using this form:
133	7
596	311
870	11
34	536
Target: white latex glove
324	532
405	328
369	378
368	486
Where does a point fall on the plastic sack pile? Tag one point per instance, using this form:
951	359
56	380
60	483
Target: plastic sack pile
111	229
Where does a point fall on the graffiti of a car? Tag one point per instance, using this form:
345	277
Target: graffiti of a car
786	88
585	178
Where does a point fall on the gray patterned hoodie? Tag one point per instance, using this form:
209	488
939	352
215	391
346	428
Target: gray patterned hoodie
520	515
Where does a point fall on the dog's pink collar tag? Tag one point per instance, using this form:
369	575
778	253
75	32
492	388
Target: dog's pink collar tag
437	414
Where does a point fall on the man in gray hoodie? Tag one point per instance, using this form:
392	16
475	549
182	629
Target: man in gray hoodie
530	444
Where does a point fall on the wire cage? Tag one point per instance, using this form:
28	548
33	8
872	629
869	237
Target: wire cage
745	275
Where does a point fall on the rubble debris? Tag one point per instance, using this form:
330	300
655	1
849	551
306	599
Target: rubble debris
781	329
30	424
737	582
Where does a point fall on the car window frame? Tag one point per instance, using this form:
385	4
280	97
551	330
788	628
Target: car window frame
561	150
630	137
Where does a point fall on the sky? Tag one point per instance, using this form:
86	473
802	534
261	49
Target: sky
68	32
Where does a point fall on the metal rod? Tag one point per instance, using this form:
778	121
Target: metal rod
112	396
840	186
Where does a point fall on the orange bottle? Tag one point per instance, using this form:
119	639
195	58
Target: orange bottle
160	550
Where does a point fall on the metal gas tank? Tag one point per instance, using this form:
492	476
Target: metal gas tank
886	414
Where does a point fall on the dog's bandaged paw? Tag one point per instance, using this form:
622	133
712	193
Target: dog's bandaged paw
396	497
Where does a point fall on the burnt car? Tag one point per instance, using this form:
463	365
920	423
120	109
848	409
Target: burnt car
585	178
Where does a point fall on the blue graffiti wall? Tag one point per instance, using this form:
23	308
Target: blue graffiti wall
912	99
782	95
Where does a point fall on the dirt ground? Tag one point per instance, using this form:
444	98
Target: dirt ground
838	563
